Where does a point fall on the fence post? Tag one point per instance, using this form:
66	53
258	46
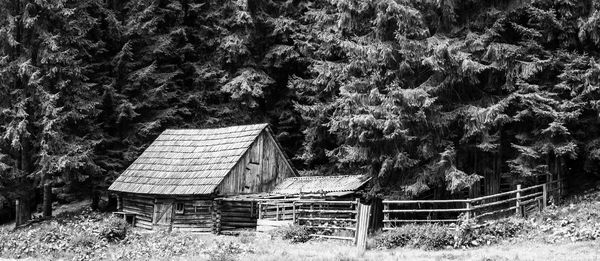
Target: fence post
468	212
518	201
294	212
310	223
362	227
18	220
47	201
358	218
560	189
545	195
386	215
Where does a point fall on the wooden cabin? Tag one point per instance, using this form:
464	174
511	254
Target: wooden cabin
174	182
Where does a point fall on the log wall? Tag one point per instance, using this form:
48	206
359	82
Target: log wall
142	206
196	217
238	214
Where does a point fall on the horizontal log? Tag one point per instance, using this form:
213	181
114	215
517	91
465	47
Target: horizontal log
327	202
332	227
418	220
533	200
139	214
332	237
143	218
200	218
239	224
531	195
200	203
493	203
143	224
325	211
276	213
194	229
425	201
424	210
495	195
141	206
193	224
150	207
495	212
203	225
247	210
531	188
279	223
236	203
327	219
129	208
195	215
247	219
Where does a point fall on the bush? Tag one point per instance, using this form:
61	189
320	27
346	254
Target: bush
295	233
431	236
83	240
225	251
114	229
490	233
247	237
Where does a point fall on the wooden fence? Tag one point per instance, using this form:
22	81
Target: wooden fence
327	219
522	201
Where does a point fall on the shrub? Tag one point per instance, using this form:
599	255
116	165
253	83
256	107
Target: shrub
225	251
83	240
247	237
492	232
294	233
431	236
114	229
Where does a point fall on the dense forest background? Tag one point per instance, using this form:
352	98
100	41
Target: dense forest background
421	94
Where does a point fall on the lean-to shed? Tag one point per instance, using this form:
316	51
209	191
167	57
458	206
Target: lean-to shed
322	186
173	183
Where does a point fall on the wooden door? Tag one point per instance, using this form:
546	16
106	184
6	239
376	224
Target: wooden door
163	215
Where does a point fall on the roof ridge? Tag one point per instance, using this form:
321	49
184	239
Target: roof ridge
329	176
214	128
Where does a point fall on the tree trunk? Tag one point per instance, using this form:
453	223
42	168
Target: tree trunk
47	201
95	200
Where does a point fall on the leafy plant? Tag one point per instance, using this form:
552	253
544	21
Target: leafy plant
430	236
294	233
114	229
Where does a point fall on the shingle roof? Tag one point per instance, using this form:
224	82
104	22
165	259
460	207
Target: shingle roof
320	184
187	162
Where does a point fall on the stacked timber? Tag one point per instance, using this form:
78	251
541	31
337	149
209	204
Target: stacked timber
238	214
196	216
140	205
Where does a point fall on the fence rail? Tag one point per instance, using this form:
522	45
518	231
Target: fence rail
328	219
521	201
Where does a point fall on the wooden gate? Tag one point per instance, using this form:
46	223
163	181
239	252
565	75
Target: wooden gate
163	215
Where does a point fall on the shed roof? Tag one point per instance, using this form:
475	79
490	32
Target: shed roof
187	161
321	184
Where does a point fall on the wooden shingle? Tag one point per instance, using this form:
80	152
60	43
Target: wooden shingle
187	162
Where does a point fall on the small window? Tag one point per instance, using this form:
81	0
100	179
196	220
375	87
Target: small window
179	207
202	209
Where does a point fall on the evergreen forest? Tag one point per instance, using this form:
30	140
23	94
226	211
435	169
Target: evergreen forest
426	96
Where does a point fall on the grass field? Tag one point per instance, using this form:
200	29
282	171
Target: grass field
568	232
142	245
